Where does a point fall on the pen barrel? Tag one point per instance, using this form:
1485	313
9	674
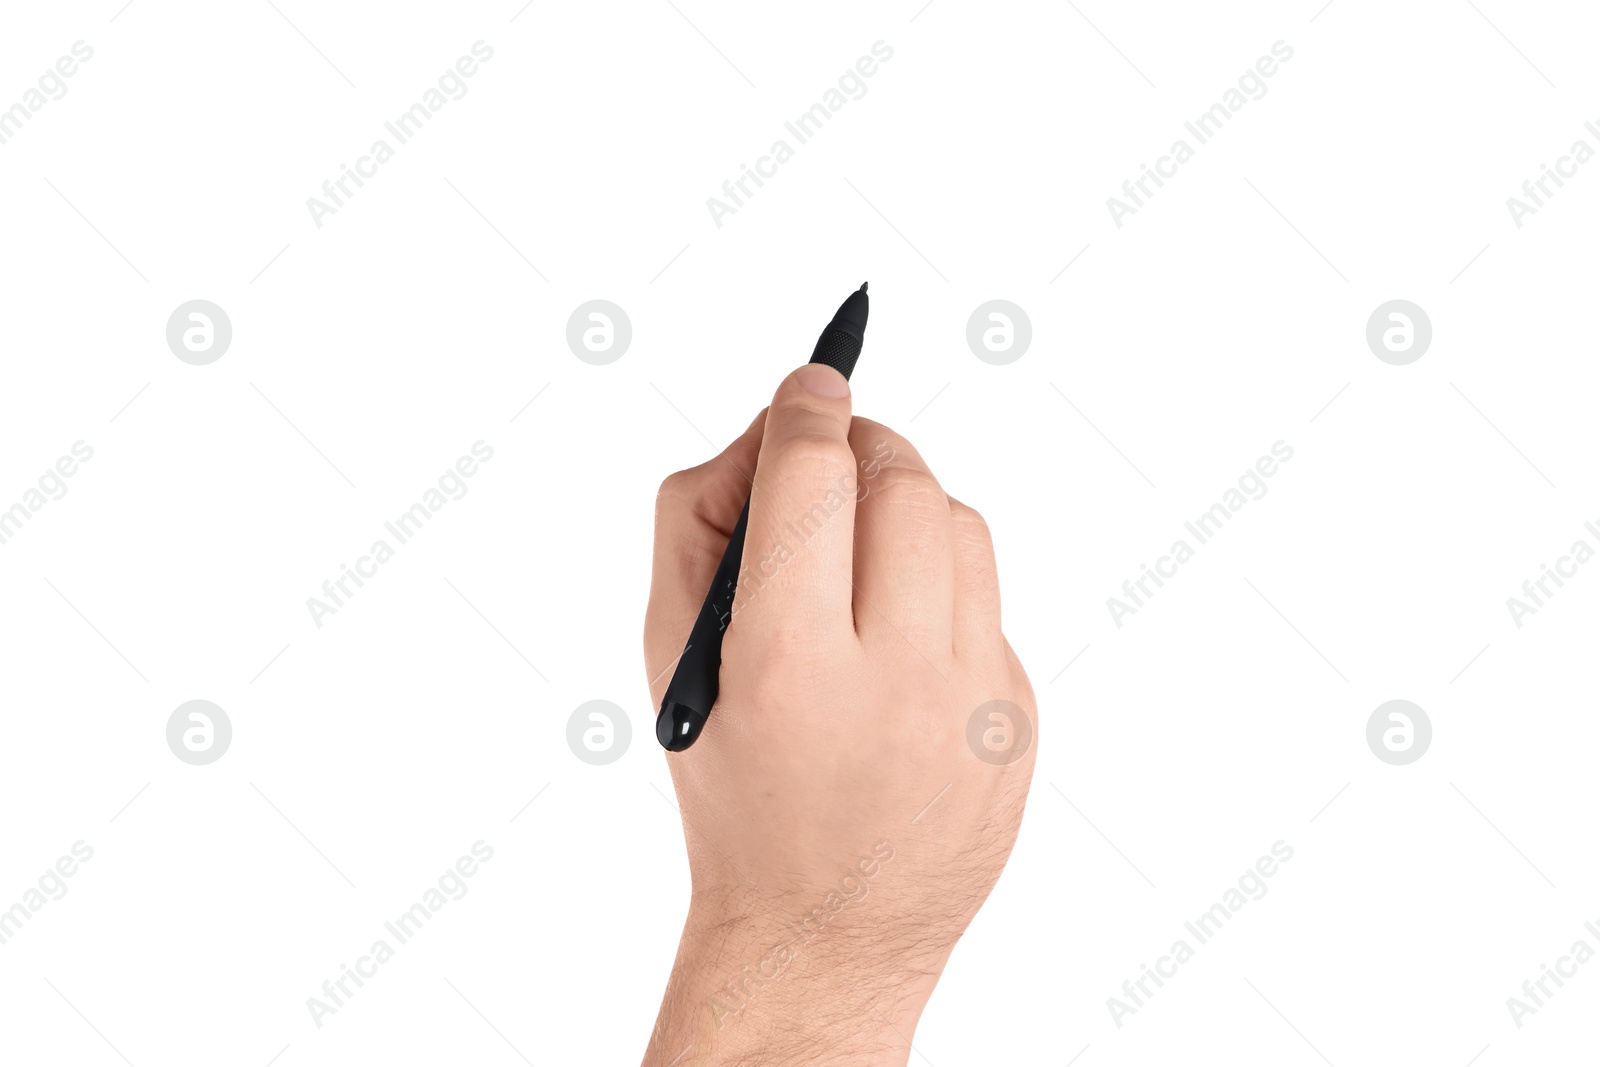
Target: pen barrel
693	689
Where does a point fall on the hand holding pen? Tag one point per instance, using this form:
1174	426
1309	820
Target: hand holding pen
844	812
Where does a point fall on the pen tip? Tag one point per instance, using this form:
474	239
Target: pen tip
863	287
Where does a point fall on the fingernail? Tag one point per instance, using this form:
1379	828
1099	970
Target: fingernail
821	380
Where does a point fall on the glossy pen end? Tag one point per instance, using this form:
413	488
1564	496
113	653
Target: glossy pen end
678	726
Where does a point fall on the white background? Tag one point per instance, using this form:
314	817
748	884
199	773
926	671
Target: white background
370	353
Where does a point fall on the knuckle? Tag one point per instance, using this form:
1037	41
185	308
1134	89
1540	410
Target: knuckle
903	486
676	493
673	485
814	450
971	526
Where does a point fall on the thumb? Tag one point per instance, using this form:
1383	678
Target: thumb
798	547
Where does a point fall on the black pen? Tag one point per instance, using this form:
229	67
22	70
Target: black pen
693	689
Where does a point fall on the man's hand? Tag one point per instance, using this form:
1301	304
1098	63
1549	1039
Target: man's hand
860	782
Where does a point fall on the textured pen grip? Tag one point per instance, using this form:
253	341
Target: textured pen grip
838	349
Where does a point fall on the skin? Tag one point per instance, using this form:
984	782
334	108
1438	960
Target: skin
841	831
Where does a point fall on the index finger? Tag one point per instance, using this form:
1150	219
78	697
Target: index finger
797	566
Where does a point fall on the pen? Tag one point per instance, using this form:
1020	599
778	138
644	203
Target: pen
687	702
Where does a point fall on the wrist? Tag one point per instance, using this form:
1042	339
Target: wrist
770	984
